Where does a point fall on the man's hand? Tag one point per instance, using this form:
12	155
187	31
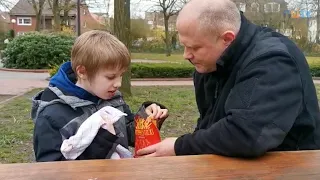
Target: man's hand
157	113
164	148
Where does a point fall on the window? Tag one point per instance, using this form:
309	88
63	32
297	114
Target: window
272	7
24	21
85	24
255	7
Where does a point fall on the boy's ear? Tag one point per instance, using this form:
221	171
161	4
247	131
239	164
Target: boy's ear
81	72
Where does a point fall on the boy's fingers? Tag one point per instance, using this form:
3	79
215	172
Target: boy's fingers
148	112
164	113
154	110
159	112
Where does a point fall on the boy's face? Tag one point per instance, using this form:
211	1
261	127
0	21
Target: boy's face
104	84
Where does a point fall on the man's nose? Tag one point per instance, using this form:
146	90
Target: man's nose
187	55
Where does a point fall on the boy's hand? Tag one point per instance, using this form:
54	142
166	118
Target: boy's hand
156	112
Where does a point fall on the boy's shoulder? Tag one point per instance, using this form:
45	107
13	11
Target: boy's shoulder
47	105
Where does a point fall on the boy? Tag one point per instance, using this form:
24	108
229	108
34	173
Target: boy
79	89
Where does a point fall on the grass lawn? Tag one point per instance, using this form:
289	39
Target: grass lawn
179	57
17	128
154	56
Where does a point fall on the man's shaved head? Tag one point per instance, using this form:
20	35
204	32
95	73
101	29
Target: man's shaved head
212	16
206	29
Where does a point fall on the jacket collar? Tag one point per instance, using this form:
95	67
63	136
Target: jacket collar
238	46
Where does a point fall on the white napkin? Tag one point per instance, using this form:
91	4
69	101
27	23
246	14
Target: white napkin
74	146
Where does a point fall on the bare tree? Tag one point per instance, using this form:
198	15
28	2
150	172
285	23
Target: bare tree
122	31
38	8
6	4
58	6
318	21
55	6
68	5
168	8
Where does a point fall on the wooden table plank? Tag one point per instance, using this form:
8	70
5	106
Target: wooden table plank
280	165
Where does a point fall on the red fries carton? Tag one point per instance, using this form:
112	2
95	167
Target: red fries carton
146	131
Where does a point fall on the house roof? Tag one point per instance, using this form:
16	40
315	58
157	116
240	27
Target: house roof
24	8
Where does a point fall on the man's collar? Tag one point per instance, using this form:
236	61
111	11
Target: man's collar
237	47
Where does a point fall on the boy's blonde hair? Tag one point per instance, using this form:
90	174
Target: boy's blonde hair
99	49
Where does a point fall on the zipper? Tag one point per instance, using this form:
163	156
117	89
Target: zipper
216	92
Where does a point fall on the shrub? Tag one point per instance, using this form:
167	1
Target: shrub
37	51
176	70
168	70
149	70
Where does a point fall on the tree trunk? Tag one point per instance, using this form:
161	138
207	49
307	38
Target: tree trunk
37	7
66	10
167	36
56	15
122	32
318	22
38	21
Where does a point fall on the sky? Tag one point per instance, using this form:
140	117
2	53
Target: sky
138	7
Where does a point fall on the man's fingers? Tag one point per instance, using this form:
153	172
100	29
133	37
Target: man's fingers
148	150
150	155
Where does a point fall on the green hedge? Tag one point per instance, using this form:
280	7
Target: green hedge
315	70
148	70
37	51
172	70
169	70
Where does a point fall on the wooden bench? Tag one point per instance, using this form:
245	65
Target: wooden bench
280	165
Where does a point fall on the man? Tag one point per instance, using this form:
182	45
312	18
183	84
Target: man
253	87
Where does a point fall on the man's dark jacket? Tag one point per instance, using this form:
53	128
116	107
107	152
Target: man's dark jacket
261	98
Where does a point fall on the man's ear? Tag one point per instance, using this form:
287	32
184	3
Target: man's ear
228	37
81	72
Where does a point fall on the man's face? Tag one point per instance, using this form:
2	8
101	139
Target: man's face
201	50
105	83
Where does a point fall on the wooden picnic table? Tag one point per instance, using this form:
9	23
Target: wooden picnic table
280	165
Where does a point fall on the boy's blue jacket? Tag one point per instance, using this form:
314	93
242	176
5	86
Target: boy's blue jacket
59	110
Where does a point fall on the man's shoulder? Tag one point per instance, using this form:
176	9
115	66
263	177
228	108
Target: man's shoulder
270	45
273	43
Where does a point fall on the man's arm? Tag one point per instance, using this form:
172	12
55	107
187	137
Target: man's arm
261	110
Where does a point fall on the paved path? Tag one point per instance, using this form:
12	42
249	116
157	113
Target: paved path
14	83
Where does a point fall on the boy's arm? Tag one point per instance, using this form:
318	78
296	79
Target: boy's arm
100	146
48	140
130	125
